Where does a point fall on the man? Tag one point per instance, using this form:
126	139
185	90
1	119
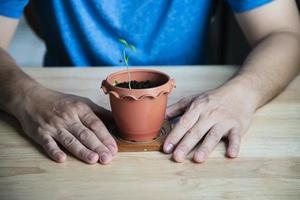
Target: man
79	32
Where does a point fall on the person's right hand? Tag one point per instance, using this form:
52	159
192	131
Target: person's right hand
51	117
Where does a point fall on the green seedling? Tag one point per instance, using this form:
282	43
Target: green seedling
127	46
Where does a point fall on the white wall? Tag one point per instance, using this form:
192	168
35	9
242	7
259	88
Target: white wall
26	48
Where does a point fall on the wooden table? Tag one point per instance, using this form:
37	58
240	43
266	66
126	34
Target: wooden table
268	166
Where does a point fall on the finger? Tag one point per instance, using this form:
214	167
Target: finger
90	140
192	137
210	141
178	108
234	139
52	149
75	147
181	127
91	121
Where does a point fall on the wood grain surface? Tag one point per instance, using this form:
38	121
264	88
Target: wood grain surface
268	166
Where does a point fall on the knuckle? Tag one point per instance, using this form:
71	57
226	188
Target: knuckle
197	133
74	126
69	141
82	153
46	140
46	143
96	125
69	107
184	122
183	125
56	121
213	135
48	146
79	105
84	135
86	116
99	149
65	116
41	133
209	112
218	129
51	151
60	134
104	134
40	130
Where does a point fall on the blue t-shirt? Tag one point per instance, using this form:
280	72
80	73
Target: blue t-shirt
86	32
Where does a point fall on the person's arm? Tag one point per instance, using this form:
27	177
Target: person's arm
50	117
12	77
274	32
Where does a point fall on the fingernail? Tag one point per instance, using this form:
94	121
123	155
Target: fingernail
104	158
199	157
169	148
92	156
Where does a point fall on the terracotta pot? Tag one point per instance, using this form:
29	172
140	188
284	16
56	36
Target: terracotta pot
138	113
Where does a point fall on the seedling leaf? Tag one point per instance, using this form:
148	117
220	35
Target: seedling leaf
124	42
126	59
132	48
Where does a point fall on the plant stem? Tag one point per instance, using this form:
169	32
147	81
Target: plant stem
129	79
126	62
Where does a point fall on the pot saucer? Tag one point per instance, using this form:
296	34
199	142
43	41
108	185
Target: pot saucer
131	146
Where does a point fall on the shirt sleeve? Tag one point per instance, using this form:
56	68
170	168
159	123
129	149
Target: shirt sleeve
239	6
12	8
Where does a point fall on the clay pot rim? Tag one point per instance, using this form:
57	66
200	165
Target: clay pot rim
137	70
136	94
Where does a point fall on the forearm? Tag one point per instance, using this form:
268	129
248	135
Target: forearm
14	83
269	68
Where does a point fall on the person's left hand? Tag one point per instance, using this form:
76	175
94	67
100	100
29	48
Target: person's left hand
223	112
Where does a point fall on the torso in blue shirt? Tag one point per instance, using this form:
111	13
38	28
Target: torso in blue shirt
86	33
164	32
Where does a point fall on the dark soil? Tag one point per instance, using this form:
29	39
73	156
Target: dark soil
138	84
